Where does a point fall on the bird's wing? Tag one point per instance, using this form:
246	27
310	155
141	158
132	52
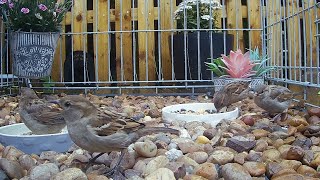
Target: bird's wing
44	112
236	88
280	93
108	122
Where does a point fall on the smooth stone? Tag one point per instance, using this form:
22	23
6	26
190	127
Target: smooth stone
290	164
234	171
259	133
11	168
240	158
10	152
70	174
272	168
199	157
314	112
44	171
3	175
304	143
278	143
131	173
271	155
161	173
178	169
96	177
207	170
194	177
190	147
261	146
49	155
284	149
202	140
278	135
254	156
308	157
221	157
240	144
146	149
286	173
173	154
307	171
255	168
156	163
314	120
295	153
187	161
26	161
210	133
289	140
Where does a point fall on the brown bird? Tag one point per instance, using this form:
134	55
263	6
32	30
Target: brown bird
102	131
38	115
273	98
231	93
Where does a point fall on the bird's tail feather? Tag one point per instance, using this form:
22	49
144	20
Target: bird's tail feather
152	130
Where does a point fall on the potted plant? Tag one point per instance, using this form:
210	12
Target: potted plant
190	16
34	29
250	66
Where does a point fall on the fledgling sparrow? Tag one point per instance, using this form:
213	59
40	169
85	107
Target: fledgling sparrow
38	115
231	93
273	98
102	131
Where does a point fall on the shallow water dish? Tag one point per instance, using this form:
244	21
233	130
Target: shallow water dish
14	135
168	114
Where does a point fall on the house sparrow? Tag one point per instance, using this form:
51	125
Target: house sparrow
38	115
273	98
231	93
102	130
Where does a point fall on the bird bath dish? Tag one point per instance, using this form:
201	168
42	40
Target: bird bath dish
19	136
197	112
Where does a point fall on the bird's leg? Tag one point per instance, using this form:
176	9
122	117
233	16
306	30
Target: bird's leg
92	160
115	168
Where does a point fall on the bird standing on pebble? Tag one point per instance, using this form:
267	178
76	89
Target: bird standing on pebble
102	131
38	115
273	98
231	93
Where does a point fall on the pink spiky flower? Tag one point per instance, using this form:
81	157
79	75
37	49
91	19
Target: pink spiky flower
238	65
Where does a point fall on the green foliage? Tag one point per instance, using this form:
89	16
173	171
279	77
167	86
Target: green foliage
34	15
192	10
261	67
217	67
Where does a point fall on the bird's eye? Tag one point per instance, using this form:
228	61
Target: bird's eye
67	104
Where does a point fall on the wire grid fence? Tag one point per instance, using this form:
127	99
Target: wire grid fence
128	46
292	43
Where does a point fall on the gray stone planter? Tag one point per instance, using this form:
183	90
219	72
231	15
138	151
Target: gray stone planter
220	82
33	53
14	135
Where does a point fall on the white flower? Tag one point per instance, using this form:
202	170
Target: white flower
206	17
38	16
54	14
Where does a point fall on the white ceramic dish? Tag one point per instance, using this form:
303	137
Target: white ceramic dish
168	114
15	135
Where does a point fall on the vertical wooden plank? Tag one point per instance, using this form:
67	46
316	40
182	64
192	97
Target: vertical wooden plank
165	17
147	67
101	43
79	19
60	53
276	37
126	68
255	23
234	20
293	40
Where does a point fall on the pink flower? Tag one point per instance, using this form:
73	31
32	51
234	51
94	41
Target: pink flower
3	1
58	10
11	5
42	7
25	10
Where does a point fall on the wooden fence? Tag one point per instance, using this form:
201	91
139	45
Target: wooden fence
235	13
